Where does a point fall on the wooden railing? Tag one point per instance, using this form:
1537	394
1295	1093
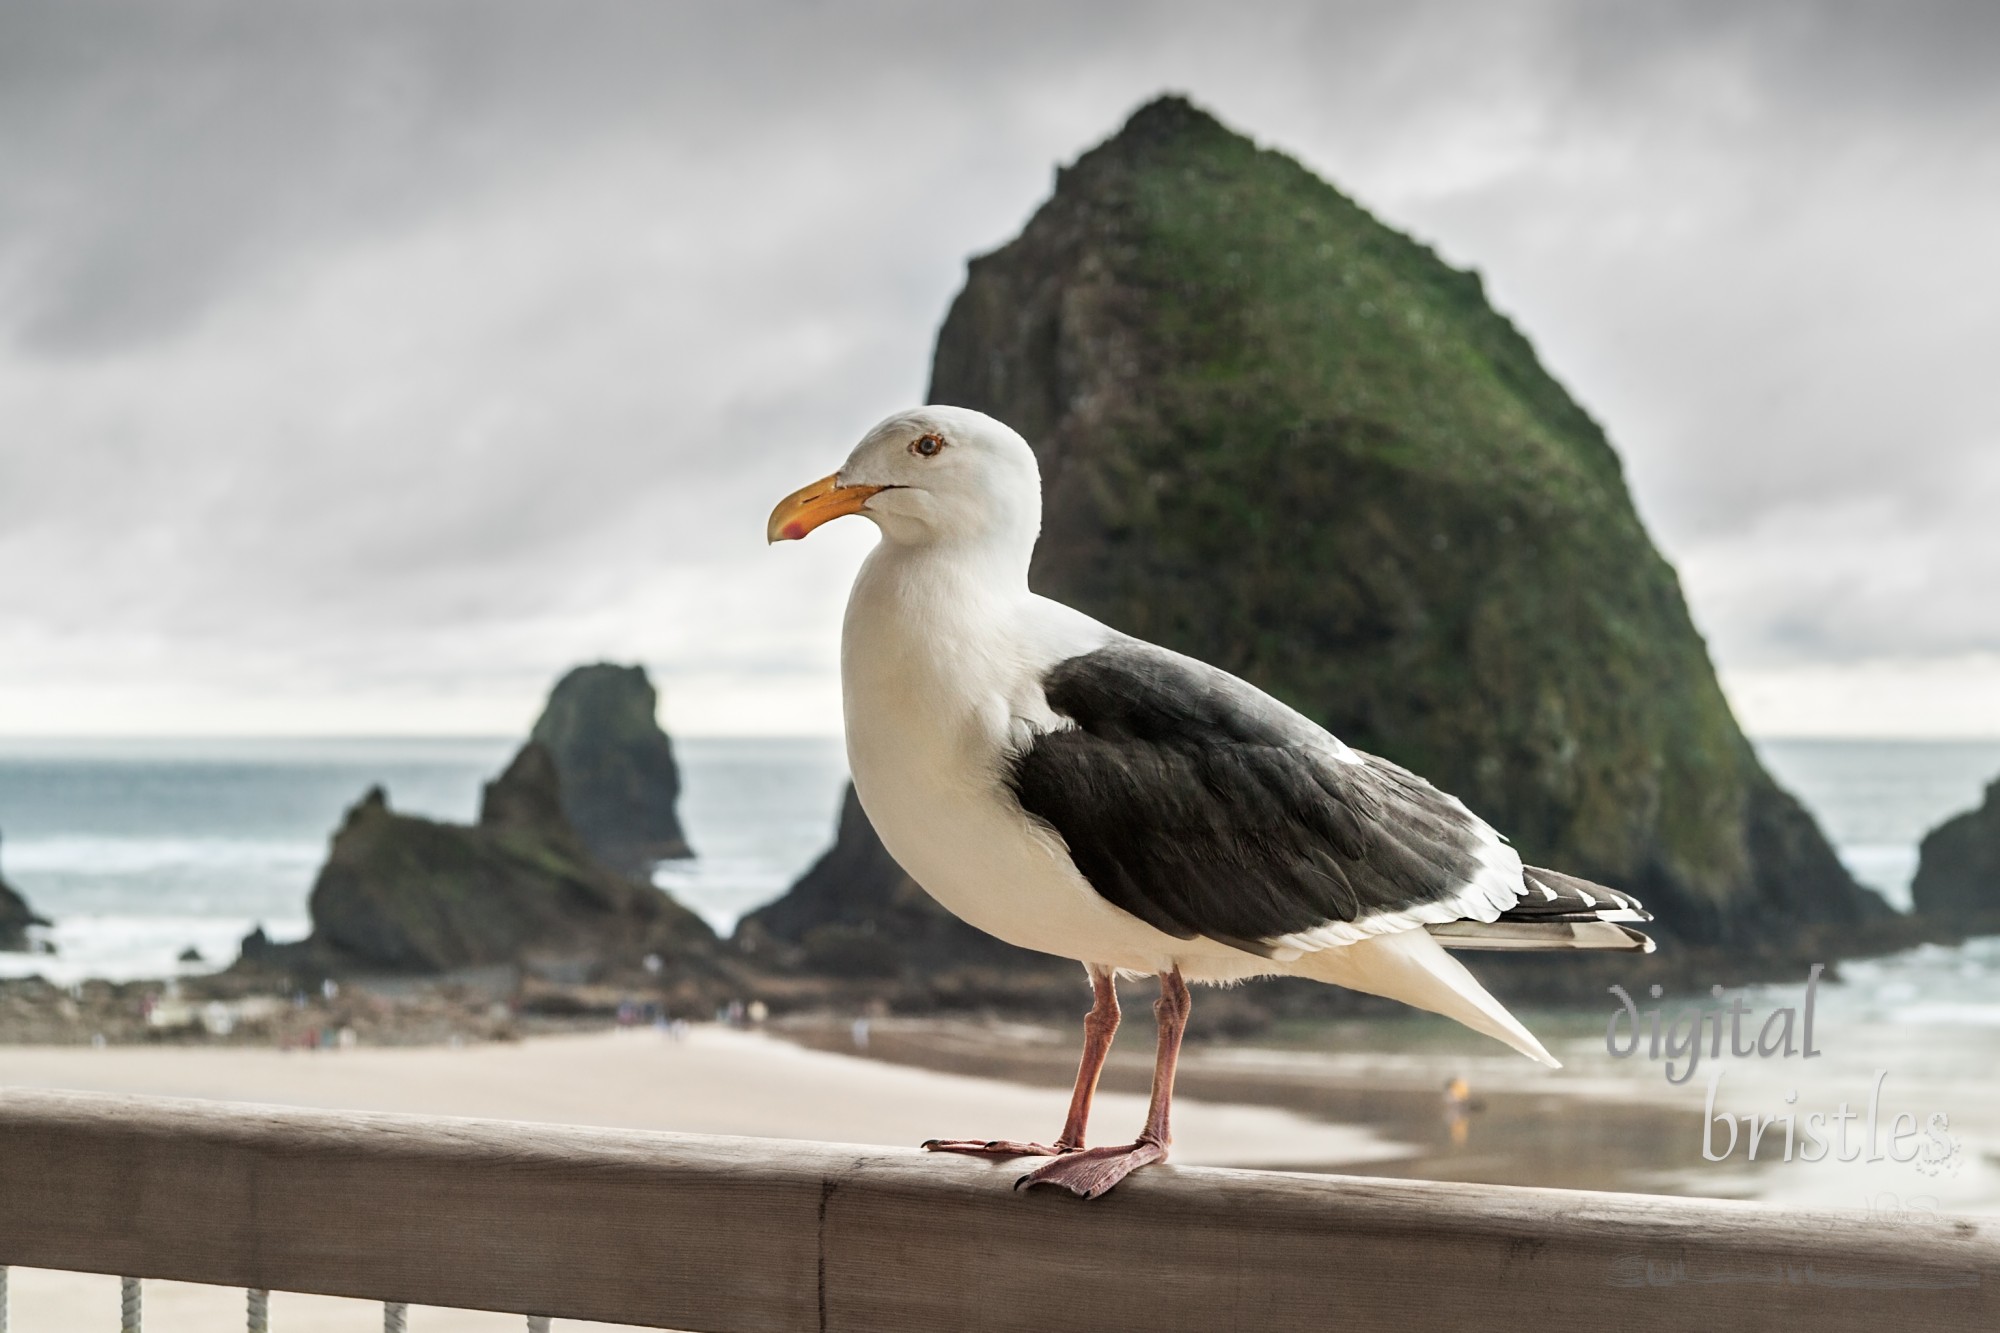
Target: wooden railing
694	1232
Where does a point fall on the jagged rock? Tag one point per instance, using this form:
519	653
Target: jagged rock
403	894
1958	870
619	782
257	947
527	797
856	914
1284	438
15	918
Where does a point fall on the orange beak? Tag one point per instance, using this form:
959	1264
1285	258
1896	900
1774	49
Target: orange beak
809	506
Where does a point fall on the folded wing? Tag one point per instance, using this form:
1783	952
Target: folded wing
1204	807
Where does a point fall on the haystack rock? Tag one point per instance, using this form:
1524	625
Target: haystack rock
1280	436
620	786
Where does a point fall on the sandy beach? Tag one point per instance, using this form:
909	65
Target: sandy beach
1362	1098
713	1081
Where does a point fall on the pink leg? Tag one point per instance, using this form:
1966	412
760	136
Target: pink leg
1092	1171
1099	1025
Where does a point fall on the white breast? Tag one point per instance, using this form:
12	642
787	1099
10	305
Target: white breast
941	680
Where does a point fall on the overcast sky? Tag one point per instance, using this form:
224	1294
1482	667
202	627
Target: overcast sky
362	366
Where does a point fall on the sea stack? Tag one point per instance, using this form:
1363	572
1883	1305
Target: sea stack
620	786
402	894
1284	438
15	919
1957	888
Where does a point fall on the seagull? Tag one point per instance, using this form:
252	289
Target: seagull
1084	793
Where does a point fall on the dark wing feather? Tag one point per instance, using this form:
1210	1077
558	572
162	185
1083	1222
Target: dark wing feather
1206	808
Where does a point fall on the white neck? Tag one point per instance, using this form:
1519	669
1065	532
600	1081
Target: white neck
926	647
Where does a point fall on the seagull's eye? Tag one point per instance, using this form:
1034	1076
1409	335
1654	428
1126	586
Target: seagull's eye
927	446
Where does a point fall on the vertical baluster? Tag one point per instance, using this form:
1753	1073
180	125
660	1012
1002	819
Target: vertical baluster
258	1304
128	1305
537	1323
395	1317
3	1298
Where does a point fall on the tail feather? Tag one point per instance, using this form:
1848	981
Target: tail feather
1533	935
1410	966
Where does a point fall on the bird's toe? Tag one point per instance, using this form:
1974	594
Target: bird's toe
1093	1171
995	1147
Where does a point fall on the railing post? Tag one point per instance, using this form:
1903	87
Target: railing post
258	1307
128	1305
537	1323
395	1317
3	1298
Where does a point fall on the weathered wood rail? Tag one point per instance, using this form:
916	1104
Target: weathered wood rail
695	1232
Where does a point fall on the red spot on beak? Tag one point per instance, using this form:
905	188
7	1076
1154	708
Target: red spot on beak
794	531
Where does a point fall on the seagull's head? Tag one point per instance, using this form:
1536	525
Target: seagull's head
932	476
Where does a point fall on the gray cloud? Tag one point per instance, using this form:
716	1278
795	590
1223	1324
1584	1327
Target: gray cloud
397	352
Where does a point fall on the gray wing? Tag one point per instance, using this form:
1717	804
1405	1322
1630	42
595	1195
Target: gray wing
1204	807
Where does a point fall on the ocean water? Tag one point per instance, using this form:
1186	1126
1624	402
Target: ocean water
138	850
1877	799
141	849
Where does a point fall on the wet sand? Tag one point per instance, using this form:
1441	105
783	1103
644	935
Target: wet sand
1598	1123
1522	1126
